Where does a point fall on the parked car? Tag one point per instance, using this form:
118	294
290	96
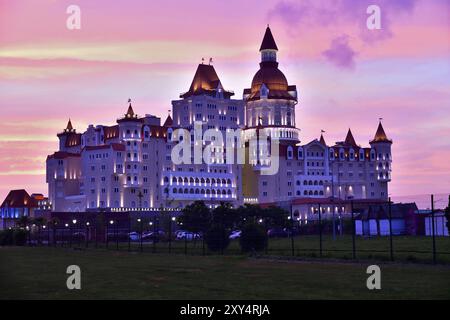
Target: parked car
186	235
134	236
153	235
235	234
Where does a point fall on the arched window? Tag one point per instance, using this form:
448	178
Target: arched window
298	182
213	181
229	192
320	183
208	181
290	152
174	180
305	193
316	193
229	181
166	190
186	190
191	180
310	182
197	191
224	192
315	183
146	133
321	192
197	180
300	153
298	192
166	179
372	155
202	191
224	181
352	154
191	191
213	192
310	193
186	180
361	154
180	180
331	151
208	191
174	190
341	154
180	190
305	183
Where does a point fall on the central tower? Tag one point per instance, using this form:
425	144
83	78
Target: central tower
270	102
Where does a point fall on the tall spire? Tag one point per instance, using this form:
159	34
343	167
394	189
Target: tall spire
349	138
322	140
380	135
268	42
69	127
130	111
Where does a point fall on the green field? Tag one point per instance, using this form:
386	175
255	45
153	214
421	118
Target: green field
39	273
405	248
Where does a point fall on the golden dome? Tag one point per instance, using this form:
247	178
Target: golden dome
272	77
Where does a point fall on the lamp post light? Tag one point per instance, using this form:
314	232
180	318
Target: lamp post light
70	238
140	230
87	233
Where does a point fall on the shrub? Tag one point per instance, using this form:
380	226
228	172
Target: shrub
20	237
253	238
217	238
6	237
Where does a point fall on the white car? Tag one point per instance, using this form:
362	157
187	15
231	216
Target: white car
134	236
235	234
181	235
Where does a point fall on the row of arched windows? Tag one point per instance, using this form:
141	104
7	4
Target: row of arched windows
198	180
310	193
207	192
311	183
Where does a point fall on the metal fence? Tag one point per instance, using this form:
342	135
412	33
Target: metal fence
319	238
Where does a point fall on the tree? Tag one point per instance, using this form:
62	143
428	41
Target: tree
39	222
196	217
253	238
217	238
248	213
225	215
447	215
23	221
276	217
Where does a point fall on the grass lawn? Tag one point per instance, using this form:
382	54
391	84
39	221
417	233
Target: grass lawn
39	273
406	248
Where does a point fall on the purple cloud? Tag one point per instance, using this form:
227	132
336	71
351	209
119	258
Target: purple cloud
340	53
321	13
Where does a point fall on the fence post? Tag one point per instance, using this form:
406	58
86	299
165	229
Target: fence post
155	232
129	232
353	232
170	233
390	230
140	232
320	230
432	222
291	233
106	233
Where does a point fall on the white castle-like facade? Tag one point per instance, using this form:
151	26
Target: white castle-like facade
128	166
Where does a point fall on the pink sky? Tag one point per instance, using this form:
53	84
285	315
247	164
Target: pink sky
347	76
